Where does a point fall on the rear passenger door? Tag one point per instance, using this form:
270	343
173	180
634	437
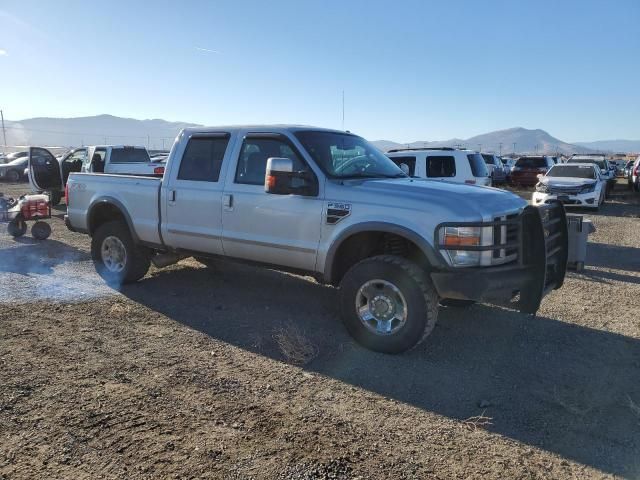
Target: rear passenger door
193	194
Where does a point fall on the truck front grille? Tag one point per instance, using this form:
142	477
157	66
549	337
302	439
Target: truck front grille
505	234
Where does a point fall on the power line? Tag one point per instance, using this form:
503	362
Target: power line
96	134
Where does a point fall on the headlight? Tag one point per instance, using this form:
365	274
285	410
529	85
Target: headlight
588	188
458	237
542	188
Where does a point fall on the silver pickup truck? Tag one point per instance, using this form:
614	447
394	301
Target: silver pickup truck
329	204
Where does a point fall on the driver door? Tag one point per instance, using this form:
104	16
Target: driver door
44	170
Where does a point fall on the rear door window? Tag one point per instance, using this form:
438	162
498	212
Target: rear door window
408	161
440	166
129	155
478	167
202	159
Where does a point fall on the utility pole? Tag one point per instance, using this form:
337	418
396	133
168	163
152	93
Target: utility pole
4	133
147	141
500	144
480	147
514	147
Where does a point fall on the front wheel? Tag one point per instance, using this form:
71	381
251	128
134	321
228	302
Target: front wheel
116	256
388	303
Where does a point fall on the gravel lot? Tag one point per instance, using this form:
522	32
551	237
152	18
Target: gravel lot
183	374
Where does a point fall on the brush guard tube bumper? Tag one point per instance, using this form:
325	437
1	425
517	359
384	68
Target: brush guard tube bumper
541	265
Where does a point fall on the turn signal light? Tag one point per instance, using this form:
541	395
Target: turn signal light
158	171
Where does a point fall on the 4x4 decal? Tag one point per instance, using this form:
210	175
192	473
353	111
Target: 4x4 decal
337	211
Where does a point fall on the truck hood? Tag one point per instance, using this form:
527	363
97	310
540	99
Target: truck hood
566	181
455	200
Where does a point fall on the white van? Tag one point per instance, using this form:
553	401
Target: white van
448	164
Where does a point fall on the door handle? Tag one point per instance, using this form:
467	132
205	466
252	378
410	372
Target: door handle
227	200
172	196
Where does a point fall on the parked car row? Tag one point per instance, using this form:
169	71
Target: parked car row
444	164
574	184
113	159
632	174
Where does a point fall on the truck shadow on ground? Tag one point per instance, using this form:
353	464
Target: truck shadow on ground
38	257
568	389
613	256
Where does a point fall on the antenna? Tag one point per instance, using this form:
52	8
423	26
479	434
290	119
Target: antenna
4	133
342	109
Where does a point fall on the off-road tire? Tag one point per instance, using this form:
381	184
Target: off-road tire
41	230
417	289
17	227
138	258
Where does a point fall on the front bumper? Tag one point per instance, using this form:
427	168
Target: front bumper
591	199
542	246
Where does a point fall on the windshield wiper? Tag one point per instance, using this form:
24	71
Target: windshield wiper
373	175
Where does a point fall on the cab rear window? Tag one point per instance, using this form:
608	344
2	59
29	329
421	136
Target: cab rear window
129	155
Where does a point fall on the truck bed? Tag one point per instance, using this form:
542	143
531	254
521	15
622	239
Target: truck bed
137	195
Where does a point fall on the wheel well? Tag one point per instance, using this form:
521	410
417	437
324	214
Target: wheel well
103	213
363	245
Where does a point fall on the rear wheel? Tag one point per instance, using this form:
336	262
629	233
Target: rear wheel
388	303
116	256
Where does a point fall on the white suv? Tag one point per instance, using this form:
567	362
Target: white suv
450	164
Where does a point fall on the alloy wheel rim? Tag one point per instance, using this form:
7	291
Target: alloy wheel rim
381	307
114	254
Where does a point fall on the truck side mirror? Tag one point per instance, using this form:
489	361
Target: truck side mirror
281	179
540	175
405	168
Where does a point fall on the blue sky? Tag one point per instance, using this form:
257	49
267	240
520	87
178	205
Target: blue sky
411	70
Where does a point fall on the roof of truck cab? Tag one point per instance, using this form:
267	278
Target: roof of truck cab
265	128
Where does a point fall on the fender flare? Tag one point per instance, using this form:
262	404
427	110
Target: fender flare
427	249
106	200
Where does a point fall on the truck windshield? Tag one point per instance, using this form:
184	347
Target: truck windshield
572	171
129	155
342	155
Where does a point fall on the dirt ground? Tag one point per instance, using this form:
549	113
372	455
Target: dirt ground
184	375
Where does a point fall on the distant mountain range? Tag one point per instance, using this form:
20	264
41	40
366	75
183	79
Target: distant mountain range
157	133
613	145
96	130
520	140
